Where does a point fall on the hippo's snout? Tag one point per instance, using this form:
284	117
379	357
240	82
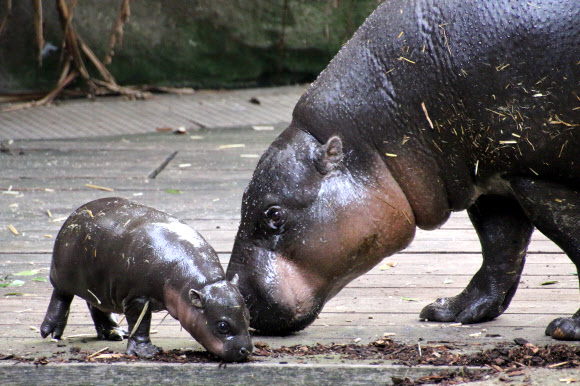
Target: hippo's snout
281	310
237	349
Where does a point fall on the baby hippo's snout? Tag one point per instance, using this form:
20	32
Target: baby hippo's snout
237	349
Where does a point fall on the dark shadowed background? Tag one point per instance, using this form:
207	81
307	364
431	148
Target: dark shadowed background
193	43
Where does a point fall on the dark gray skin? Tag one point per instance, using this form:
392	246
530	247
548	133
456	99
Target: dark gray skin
432	107
118	255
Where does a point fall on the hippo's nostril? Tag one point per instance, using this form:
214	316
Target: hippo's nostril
244	351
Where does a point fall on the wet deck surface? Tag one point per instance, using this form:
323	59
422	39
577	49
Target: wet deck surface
43	180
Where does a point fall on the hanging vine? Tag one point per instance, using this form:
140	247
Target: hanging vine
76	55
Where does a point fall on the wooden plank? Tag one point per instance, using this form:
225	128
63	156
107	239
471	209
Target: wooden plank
204	374
212	188
437	265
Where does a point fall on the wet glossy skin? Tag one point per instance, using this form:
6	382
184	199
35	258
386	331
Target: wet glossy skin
432	107
118	255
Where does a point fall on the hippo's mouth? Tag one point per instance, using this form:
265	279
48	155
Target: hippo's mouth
280	321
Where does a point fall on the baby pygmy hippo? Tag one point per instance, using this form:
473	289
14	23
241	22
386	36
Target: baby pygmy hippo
127	258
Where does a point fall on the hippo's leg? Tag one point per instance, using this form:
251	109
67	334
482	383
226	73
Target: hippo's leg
504	233
106	325
139	342
57	315
555	211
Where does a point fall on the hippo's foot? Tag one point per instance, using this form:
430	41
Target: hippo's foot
106	325
464	309
142	349
53	328
564	329
57	315
115	334
504	233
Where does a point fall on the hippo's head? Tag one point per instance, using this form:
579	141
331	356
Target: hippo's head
314	217
218	319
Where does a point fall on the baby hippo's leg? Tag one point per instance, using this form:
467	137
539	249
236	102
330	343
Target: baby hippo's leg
106	325
138	315
56	315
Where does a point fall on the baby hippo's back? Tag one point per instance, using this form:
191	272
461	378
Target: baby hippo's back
111	249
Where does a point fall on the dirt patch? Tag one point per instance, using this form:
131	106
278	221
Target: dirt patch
500	358
510	359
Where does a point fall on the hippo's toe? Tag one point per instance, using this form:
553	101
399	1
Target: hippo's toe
440	311
142	349
564	329
116	334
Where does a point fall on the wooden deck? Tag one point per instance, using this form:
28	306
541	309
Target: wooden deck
43	181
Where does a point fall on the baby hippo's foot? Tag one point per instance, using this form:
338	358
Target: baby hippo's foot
564	328
142	349
114	334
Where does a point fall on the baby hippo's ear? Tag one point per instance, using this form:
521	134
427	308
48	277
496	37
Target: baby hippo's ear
235	280
329	155
196	298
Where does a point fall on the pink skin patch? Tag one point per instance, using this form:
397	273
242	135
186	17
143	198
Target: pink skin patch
297	287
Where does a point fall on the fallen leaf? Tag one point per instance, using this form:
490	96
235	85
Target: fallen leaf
409	299
12	229
108	356
447	281
174	191
263	128
16	283
549	282
13	294
388	265
27	273
232	146
99	187
568	380
40	278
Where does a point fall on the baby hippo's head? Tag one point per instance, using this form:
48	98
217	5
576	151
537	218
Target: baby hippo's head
218	319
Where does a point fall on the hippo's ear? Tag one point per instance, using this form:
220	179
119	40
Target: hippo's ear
235	280
196	298
329	155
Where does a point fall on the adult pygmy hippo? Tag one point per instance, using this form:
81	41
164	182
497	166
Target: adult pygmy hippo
432	107
127	258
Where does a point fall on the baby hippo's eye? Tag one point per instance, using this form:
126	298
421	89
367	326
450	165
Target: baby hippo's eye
223	328
275	218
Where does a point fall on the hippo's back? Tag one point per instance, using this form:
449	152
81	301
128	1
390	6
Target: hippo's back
477	88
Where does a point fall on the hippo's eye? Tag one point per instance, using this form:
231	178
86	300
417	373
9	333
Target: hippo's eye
275	218
223	328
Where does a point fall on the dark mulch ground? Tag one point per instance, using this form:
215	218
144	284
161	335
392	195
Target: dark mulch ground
508	358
